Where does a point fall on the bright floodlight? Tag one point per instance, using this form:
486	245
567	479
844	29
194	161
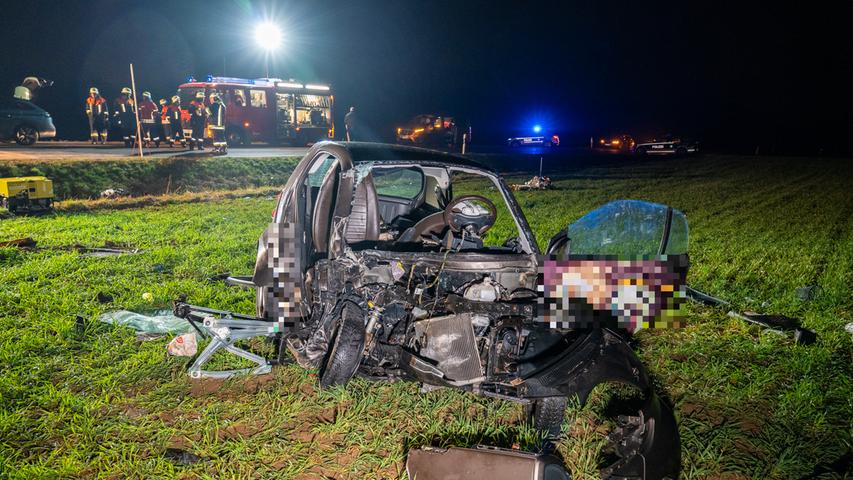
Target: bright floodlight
268	36
537	128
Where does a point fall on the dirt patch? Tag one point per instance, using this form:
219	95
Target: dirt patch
242	430
327	415
257	383
702	413
349	456
133	411
205	386
751	426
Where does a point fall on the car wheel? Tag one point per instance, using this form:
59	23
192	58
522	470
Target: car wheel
514	144
26	135
546	415
641	151
347	347
681	151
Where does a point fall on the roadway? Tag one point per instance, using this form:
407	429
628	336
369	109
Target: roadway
50	150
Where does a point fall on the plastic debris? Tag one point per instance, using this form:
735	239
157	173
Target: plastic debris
535	183
184	345
161	321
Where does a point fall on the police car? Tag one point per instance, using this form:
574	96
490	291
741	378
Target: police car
535	141
668	145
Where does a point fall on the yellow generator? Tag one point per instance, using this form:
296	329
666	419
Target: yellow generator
26	194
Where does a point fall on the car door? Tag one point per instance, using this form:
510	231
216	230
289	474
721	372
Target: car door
623	265
300	234
7	116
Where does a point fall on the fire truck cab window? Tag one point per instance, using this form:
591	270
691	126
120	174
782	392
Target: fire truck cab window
258	98
188	94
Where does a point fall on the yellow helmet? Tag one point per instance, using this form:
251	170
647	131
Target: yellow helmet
176	99
163	101
146	94
93	91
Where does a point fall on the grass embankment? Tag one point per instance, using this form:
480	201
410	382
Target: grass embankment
750	404
152	176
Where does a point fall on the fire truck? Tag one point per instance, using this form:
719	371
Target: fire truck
268	110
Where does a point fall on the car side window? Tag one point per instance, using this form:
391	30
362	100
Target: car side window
258	98
318	170
398	182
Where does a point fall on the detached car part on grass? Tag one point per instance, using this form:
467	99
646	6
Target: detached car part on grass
375	264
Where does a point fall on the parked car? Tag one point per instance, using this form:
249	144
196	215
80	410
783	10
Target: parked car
378	262
667	145
534	141
429	129
24	122
622	142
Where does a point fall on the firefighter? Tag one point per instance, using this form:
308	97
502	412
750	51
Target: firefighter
217	123
164	134
99	116
124	112
198	116
175	122
147	116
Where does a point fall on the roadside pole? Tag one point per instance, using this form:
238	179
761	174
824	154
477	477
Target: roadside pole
540	167
136	111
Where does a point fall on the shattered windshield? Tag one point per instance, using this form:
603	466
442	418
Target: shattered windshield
630	228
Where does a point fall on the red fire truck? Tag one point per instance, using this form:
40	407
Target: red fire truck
268	110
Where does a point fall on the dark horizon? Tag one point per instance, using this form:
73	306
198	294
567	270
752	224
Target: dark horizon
733	76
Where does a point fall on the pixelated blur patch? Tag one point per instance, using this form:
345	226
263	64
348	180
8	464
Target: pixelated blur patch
285	296
590	291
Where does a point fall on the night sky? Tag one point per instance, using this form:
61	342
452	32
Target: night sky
727	73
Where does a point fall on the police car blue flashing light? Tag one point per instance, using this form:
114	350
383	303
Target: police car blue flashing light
537	128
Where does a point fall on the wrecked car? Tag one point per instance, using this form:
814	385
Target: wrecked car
396	262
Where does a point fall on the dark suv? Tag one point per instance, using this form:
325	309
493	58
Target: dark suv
24	122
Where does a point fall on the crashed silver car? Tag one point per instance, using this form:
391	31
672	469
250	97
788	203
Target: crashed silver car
394	262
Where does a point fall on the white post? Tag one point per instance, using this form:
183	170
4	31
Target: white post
540	167
136	111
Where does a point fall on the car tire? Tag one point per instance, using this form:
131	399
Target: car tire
26	135
546	415
514	144
680	151
641	151
347	347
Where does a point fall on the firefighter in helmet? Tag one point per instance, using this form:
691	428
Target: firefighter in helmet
147	115
198	116
217	123
164	133
98	113
175	122
124	112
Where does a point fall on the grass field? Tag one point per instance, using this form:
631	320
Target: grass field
93	402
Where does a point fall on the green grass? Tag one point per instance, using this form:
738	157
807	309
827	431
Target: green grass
76	178
95	403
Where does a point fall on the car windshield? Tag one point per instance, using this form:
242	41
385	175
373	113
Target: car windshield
629	228
412	201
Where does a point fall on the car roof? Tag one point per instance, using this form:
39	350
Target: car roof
363	152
